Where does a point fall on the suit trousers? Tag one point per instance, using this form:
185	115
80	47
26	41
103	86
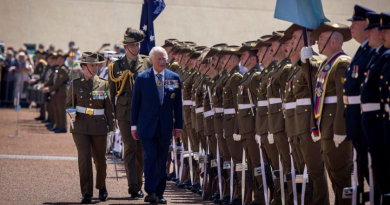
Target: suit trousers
133	156
338	161
315	167
155	157
89	146
59	111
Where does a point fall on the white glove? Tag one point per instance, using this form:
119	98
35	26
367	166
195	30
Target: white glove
315	139
236	137
257	138
223	134
338	139
270	138
216	136
111	134
306	53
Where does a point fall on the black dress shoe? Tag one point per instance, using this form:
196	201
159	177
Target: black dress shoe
133	190
86	200
103	194
60	131
39	118
254	203
171	176
151	198
161	200
140	194
236	201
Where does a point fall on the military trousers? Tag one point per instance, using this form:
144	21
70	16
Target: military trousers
59	111
89	146
299	162
133	155
315	167
338	161
235	149
223	147
42	110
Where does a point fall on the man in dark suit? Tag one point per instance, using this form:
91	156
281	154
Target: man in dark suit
156	102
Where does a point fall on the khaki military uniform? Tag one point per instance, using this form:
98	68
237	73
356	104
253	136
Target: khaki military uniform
311	150
94	119
58	90
246	124
208	115
331	122
197	92
133	157
40	70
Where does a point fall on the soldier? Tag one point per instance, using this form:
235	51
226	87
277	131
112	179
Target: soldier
246	116
354	78
168	46
39	70
329	107
231	60
385	111
298	86
57	86
52	63
267	65
121	78
89	96
370	98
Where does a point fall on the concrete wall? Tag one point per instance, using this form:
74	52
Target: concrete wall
92	22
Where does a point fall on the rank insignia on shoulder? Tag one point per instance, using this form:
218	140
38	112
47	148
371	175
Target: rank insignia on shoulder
172	95
343	80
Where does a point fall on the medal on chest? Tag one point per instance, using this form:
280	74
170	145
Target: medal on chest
355	71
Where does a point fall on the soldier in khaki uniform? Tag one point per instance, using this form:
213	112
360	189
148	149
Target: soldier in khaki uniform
52	63
276	123
231	60
267	65
246	117
88	97
298	87
121	78
39	71
329	107
57	86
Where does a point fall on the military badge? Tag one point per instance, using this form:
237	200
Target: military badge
172	95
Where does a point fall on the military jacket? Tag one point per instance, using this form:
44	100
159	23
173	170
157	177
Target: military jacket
208	116
58	81
217	94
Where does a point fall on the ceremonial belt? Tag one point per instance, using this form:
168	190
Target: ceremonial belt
290	105
218	110
321	84
330	100
351	100
199	110
303	101
262	103
89	111
208	113
187	102
274	100
244	106
229	111
369	107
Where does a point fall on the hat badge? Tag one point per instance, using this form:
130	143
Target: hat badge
253	44
368	20
381	22
232	49
336	25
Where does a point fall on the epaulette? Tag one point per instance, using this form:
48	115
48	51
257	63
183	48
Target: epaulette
316	58
257	75
143	56
43	61
76	79
102	78
237	76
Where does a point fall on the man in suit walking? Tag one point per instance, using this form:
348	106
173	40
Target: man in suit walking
156	102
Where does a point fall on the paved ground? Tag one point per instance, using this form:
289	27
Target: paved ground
41	168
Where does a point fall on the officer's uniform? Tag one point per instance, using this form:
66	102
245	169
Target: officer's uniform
122	74
39	71
329	112
93	120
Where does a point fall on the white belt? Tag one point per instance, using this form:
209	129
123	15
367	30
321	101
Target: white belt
330	100
208	113
218	110
262	103
387	108
187	102
303	101
368	107
199	110
89	111
193	103
244	106
290	105
274	100
351	100
229	111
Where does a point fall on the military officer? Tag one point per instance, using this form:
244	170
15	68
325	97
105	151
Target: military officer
39	70
298	86
89	96
52	63
354	78
57	86
121	78
370	98
329	107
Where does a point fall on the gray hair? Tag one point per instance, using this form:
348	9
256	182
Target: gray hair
158	49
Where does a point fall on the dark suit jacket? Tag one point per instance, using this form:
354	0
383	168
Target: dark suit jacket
147	111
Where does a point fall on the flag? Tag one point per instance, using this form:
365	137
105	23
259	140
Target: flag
150	10
306	13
